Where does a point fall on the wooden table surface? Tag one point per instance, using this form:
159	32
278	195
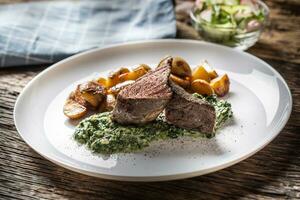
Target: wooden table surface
272	173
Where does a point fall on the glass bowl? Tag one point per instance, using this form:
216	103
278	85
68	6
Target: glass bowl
233	37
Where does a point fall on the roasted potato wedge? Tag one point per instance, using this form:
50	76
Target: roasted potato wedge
180	81
111	81
123	70
117	88
102	81
187	78
180	67
202	87
113	78
92	92
212	74
133	75
77	97
74	110
141	70
146	67
200	73
93	99
221	85
91	86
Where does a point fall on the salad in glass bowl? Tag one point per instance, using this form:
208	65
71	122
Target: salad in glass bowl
235	23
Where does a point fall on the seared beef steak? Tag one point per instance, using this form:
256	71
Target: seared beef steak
186	111
144	100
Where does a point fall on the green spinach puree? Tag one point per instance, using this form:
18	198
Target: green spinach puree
101	135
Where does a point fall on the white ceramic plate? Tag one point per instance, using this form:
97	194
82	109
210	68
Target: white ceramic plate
260	98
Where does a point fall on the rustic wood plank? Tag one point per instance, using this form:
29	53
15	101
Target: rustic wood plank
24	173
273	173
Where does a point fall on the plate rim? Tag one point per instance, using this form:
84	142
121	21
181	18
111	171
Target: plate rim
66	165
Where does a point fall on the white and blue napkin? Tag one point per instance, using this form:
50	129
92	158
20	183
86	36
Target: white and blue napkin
46	32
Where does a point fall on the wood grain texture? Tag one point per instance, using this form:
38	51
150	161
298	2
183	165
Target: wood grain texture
273	173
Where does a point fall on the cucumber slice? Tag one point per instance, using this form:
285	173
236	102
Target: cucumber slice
226	25
234	9
231	2
226	2
212	2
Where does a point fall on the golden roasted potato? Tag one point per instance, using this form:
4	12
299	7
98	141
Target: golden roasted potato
102	81
74	110
182	82
180	67
142	69
92	92
133	75
202	87
212	74
117	88
113	78
146	67
111	81
123	70
93	99
188	79
200	73
221	85
77	97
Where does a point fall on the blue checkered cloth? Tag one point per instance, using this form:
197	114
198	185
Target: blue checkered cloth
46	32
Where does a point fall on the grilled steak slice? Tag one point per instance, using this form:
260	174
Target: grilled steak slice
186	111
144	100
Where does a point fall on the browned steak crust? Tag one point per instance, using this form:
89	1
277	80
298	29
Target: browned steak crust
144	100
